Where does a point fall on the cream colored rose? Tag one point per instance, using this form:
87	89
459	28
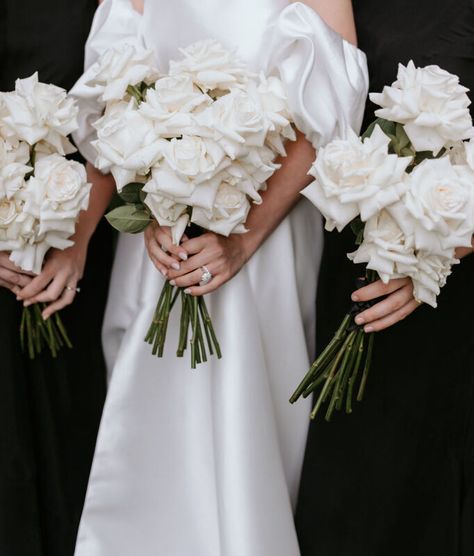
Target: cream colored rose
165	210
431	104
37	112
194	157
237	122
228	214
127	143
56	194
119	67
431	275
385	248
440	198
210	65
13	168
355	177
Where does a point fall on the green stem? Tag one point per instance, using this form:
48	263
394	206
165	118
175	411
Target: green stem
368	363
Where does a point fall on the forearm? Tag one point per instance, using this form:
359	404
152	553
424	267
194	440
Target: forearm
283	192
338	15
462	252
103	188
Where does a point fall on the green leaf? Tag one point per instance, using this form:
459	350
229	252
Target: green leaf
357	226
386	126
129	219
402	138
131	192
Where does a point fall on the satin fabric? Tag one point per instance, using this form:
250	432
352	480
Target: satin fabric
208	462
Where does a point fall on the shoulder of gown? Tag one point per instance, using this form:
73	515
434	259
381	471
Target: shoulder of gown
115	22
324	75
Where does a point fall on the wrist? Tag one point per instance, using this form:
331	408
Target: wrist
249	243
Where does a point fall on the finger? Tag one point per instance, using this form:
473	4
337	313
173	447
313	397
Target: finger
8	285
15	279
393	318
66	299
163	237
378	289
191	279
193	263
165	261
8	264
390	304
54	290
36	286
215	283
196	244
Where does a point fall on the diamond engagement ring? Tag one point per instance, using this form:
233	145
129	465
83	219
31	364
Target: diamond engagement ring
71	289
206	276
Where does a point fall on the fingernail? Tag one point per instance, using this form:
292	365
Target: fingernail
26	303
359	320
18	298
175	266
368	329
187	290
183	256
355	297
45	317
164	272
173	282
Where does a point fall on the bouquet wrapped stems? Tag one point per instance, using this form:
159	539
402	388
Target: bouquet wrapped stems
336	371
36	333
194	317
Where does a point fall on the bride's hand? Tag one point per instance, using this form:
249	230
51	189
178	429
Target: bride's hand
57	282
222	256
161	250
12	277
398	304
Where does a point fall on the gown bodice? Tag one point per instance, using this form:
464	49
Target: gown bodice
241	24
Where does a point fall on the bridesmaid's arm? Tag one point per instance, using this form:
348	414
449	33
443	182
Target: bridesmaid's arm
64	269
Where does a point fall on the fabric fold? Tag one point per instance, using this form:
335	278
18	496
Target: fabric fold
325	76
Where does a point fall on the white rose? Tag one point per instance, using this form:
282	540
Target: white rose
386	249
275	107
195	158
355	177
431	275
181	189
440	197
127	143
432	105
16	227
210	65
237	122
119	67
170	105
38	112
56	194
228	214
13	167
165	210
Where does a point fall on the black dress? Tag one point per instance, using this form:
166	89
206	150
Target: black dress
49	409
397	476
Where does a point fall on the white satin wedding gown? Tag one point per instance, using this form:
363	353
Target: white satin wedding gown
207	462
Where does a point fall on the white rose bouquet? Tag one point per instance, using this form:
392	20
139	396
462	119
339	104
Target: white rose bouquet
41	191
192	150
406	187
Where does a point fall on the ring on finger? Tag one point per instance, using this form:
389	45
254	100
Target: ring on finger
206	276
72	289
